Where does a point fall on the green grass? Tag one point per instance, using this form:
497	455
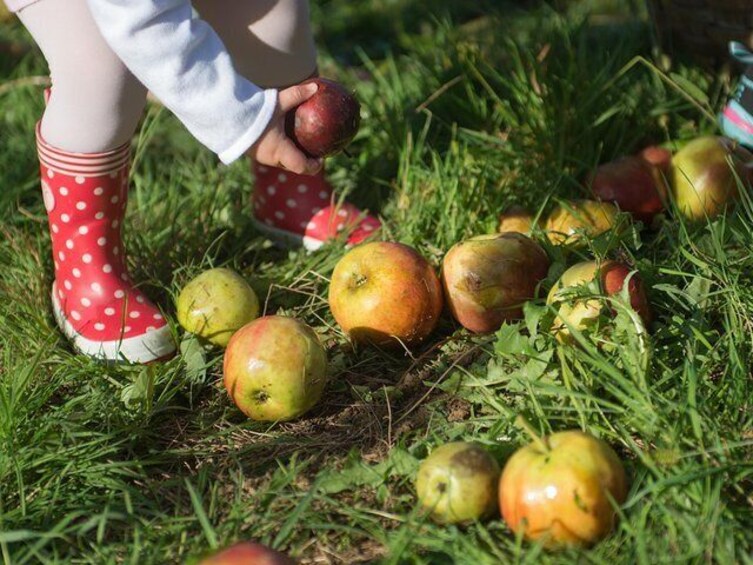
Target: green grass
466	110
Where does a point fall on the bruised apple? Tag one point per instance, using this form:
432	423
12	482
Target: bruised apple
275	368
703	176
488	278
325	123
571	222
385	293
248	553
633	184
579	313
561	489
215	304
458	483
517	220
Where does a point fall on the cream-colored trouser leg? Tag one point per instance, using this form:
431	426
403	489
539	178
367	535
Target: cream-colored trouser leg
96	102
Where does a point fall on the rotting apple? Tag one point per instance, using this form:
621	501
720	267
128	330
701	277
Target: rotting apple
631	183
571	222
275	369
704	176
215	304
248	553
579	313
488	278
458	483
385	293
325	123
516	219
562	489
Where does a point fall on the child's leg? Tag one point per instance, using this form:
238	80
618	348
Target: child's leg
272	45
83	142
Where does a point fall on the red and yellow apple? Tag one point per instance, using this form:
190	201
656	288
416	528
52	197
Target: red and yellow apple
275	369
580	313
517	220
385	293
704	176
488	278
215	304
571	222
633	184
561	489
325	123
458	483
248	553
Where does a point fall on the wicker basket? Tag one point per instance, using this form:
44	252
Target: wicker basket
702	28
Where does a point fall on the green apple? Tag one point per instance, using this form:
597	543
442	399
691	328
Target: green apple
275	368
571	222
458	483
562	489
215	304
703	176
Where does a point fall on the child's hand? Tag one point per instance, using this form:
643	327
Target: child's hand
274	147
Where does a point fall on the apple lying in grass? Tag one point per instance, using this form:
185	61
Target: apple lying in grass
704	176
517	220
458	483
215	304
571	222
275	368
580	313
561	489
327	122
385	293
488	278
633	184
248	553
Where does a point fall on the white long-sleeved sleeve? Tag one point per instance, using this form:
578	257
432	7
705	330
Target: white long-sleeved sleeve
185	64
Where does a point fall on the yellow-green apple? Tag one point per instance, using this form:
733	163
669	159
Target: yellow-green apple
488	278
562	489
703	176
632	184
215	304
275	368
610	277
516	219
248	553
385	293
327	122
458	483
571	222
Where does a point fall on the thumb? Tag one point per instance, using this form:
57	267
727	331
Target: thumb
297	95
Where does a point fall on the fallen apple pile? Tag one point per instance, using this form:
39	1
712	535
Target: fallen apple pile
564	489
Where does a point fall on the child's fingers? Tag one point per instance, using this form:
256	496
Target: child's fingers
292	159
296	95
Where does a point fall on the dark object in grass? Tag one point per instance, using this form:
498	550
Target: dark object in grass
327	122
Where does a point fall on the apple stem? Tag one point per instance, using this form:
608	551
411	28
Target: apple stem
523	424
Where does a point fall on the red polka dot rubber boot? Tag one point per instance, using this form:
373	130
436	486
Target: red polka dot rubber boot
94	302
301	210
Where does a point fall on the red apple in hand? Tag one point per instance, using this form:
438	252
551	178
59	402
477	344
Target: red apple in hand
582	312
275	368
248	553
561	489
385	293
488	278
327	122
633	184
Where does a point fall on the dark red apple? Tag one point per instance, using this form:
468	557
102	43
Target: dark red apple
632	184
327	122
248	553
658	157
